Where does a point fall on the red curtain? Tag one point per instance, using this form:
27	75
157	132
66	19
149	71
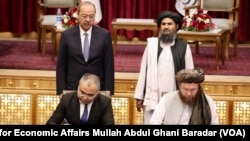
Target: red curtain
244	22
144	9
20	16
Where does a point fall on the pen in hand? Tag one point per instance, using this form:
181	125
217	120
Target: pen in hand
66	121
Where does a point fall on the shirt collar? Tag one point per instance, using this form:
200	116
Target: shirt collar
82	31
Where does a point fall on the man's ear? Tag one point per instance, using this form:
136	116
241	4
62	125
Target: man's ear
177	26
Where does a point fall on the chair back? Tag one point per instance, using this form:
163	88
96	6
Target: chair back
229	7
47	21
59	3
44	4
217	5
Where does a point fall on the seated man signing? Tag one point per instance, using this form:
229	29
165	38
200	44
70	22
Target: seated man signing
188	105
73	107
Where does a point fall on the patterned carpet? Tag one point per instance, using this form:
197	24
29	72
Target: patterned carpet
24	55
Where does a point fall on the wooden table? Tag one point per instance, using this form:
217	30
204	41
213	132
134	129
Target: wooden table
132	24
56	36
219	36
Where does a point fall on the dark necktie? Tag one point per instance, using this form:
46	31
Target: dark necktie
86	47
84	118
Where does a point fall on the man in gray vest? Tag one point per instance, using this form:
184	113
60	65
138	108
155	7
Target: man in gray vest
162	59
189	105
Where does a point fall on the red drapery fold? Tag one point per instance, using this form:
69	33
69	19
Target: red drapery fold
20	16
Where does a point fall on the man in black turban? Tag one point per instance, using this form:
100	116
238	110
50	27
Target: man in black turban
170	23
172	15
162	59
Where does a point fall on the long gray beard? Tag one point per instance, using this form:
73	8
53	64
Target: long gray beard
167	37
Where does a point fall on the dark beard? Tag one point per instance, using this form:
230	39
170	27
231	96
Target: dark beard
188	101
167	37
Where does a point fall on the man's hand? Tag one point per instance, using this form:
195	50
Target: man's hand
139	105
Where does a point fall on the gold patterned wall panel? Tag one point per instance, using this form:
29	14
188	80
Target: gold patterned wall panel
233	110
121	110
241	112
36	108
15	109
46	104
132	116
221	109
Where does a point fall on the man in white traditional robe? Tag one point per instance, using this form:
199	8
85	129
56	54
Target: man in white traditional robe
162	59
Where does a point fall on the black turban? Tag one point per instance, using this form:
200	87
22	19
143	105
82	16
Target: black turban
168	14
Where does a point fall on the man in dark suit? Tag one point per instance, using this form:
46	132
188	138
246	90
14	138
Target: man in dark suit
74	105
71	61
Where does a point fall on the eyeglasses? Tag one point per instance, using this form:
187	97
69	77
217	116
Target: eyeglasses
84	16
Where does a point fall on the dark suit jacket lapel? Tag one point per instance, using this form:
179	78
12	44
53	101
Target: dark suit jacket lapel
75	108
77	39
93	43
94	109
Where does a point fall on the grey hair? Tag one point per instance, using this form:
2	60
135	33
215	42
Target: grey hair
85	3
91	79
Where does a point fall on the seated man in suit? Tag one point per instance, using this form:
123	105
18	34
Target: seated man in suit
188	105
73	107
